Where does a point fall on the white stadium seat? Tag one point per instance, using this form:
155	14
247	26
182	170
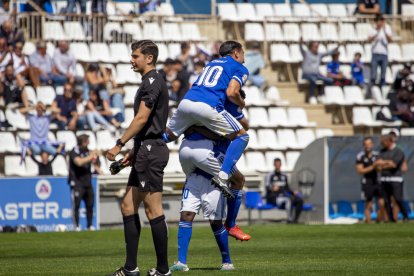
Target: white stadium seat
12	166
363	30
166	9
59	166
291	159
100	52
278	117
109	27
273	95
353	48
310	32
74	31
133	29
347	32
162	52
334	95
351	9
104	140
46	94
29	48
273	32
8	142
353	95
31	167
319	10
31	94
53	31
291	32
174	49
323	132
255	161
81	51
329	32
394	52
301	10
407	10
297	116
305	136
287	138
253	140
295	53
268	139
264	10
171	32
280	53
227	12
130	92
152	31
79	72
50	48
362	116
126	75
246	12
258	117
119	52
191	32
16	119
67	137
378	97
255	97
173	165
282	10
387	113
337	10
253	32
407	131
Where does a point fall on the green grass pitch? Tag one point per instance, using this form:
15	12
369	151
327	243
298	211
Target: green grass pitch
274	250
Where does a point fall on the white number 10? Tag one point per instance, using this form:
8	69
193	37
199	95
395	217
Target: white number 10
210	76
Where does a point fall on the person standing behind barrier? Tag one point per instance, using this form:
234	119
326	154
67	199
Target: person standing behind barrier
392	164
371	185
379	37
80	179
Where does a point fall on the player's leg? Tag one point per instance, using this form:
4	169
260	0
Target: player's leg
283	200
89	199
181	119
77	195
297	202
387	197
222	239
367	211
398	196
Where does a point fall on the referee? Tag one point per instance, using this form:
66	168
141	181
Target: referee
148	159
366	166
80	179
392	165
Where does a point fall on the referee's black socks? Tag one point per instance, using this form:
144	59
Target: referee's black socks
160	237
132	230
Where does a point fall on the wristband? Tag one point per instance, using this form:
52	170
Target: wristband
119	143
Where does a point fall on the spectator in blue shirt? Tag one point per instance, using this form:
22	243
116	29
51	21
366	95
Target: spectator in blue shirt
357	70
148	5
64	109
334	71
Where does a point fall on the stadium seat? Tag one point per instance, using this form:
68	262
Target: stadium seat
273	95
53	31
13	166
109	27
126	75
324	132
291	159
298	117
253	32
152	31
246	12
271	156
67	137
258	117
278	117
253	141
104	140
256	161
287	138
253	201
59	166
104	165
362	116
378	97
31	94
353	95
171	32
301	11
291	32
282	10
133	29
408	52
332	213
31	167
119	52
191	32
337	10
100	52
46	94
334	95
394	53
92	138
351	9
347	32
255	97
329	32
407	132
129	115
166	9
319	10
310	32
29	48
345	209
173	165
174	49
74	31
81	51
305	136
268	140
263	10
8	142
368	53
295	53
387	113
16	119
227	12
274	32
130	92
408	208
363	31
280	53
407	10
79	72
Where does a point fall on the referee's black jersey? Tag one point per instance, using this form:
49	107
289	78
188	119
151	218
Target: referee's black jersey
279	179
366	160
154	93
79	176
396	155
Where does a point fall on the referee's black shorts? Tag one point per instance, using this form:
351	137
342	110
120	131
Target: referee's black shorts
394	189
151	157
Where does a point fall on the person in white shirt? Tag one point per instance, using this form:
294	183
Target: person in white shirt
379	37
65	62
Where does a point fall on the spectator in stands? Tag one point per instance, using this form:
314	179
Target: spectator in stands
279	193
402	77
310	67
6	12
368	7
71	6
198	68
357	68
5	57
45	164
254	62
20	61
64	109
334	71
148	5
99	6
95	112
11	33
64	62
185	57
379	37
43	68
176	78
12	89
400	107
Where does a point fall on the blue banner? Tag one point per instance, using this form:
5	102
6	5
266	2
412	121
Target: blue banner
43	202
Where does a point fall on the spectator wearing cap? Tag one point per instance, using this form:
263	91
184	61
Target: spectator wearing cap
64	62
368	7
402	77
43	67
254	62
64	109
380	36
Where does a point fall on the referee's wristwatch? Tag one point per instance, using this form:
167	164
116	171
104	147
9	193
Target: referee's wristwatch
119	143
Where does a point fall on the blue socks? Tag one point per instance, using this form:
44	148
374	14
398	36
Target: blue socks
234	152
222	239
185	230
233	206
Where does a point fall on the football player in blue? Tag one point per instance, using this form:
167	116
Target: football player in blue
203	104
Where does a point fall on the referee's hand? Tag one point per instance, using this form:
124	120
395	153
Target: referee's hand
112	153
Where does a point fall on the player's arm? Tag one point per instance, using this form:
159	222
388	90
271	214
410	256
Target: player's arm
81	161
361	170
363	9
233	93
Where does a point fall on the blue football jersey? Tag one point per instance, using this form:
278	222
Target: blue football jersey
211	85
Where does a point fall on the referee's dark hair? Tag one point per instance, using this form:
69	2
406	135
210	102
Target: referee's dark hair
147	47
367	138
229	47
277	160
82	138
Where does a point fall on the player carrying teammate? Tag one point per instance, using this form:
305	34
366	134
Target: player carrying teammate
203	104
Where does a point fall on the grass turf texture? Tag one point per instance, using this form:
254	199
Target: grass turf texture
274	250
